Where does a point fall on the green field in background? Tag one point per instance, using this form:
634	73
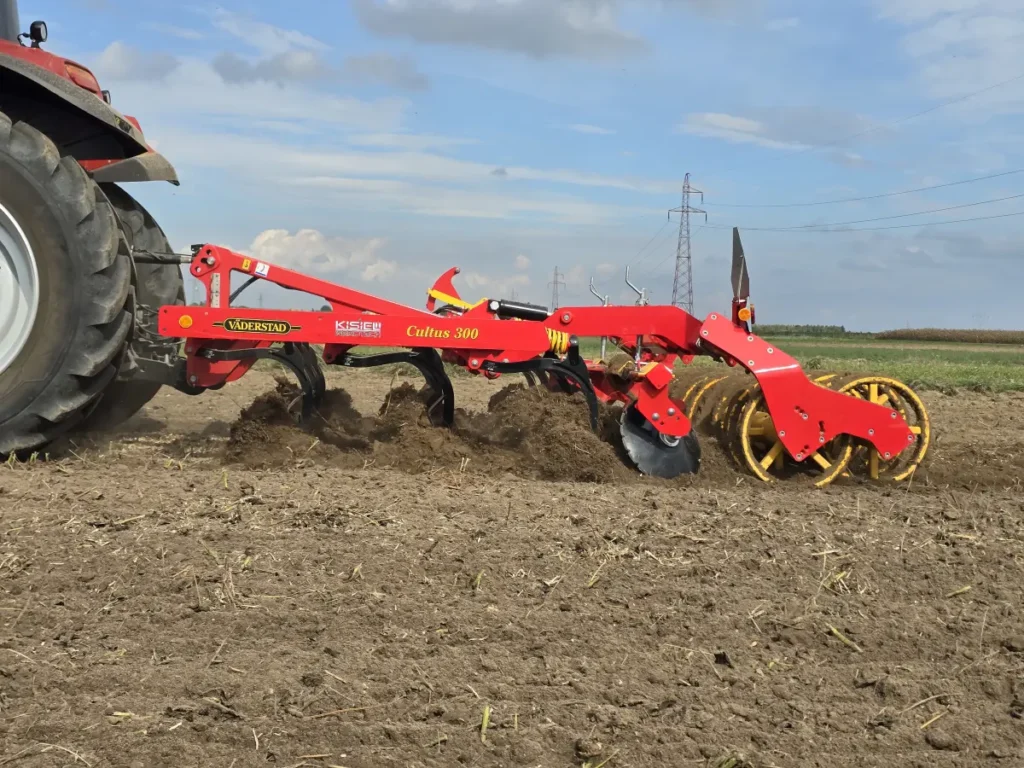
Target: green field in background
943	366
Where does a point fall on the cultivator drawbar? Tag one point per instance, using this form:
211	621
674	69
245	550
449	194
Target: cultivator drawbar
774	419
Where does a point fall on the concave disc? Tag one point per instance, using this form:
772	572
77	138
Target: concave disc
654	454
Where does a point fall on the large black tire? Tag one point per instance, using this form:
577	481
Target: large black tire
156	285
78	341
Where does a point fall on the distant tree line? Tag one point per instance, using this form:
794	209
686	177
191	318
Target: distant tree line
813	331
965	336
900	334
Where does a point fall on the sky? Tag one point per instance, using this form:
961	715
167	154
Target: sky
379	142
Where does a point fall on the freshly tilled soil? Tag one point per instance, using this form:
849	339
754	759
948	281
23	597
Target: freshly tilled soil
525	432
216	587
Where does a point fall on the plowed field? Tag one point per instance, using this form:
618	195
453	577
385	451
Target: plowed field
214	587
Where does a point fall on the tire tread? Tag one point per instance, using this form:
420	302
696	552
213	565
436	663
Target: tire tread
104	328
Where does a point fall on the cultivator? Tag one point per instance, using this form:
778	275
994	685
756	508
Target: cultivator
773	418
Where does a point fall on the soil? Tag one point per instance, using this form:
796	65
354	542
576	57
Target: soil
213	586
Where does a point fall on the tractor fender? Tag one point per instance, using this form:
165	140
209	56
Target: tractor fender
129	136
149	166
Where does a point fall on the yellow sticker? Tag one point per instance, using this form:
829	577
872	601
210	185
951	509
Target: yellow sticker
246	263
246	325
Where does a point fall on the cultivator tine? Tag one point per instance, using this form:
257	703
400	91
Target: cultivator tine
301	360
315	373
570	374
297	357
428	362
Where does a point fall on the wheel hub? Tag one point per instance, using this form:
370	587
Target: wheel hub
19	289
669	440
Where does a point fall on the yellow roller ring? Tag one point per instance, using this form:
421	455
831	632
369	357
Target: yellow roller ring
762	449
701	391
880	390
729	426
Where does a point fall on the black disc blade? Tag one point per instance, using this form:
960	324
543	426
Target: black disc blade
654	455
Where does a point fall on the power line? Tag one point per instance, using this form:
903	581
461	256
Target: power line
653	270
635	261
901	215
682	281
557	281
868	197
657	266
868	229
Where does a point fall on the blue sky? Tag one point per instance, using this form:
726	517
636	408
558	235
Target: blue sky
377	142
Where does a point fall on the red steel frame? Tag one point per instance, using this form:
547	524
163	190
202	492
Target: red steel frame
806	415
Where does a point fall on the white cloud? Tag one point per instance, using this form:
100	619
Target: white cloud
591	129
280	68
585	29
537	28
215	150
474	279
576	275
300	65
795	128
289	55
605	269
125	63
732	128
450	202
310	250
522	262
961	46
197	92
266	38
380	270
496	286
384	69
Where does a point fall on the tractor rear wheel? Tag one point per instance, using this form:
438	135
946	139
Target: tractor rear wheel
66	309
156	285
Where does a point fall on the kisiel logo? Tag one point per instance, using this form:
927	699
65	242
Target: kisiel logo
365	328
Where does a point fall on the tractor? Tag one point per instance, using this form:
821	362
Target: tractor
79	347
